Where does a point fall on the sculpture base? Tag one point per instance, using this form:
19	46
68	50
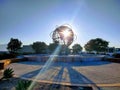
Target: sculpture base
64	58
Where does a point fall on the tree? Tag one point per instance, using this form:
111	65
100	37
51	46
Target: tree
97	44
65	50
14	45
52	47
40	47
76	48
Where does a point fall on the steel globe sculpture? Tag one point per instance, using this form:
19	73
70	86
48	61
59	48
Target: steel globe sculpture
63	35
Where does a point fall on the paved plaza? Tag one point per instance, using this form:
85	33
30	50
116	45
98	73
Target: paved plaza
99	73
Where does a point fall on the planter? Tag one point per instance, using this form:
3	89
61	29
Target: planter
114	60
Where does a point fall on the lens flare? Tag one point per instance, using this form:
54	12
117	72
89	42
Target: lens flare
66	33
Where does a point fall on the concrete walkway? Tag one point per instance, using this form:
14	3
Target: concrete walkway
97	73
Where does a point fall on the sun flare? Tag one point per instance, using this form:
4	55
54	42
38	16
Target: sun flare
66	33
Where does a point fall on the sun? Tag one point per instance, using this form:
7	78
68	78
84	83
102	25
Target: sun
66	33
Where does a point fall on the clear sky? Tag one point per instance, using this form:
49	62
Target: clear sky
34	20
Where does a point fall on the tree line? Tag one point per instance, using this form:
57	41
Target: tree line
98	45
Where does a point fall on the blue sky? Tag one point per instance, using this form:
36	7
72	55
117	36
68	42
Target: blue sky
34	20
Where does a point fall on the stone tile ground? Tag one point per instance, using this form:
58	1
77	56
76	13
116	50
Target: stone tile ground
95	73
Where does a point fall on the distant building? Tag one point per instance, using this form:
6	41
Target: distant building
117	50
111	49
3	52
27	49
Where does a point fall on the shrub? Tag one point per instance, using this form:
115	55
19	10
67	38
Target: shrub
23	85
116	55
7	56
8	73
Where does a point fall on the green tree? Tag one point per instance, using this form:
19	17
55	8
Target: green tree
97	44
40	47
65	50
52	47
14	45
76	48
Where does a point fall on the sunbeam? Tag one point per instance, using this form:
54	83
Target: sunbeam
45	67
